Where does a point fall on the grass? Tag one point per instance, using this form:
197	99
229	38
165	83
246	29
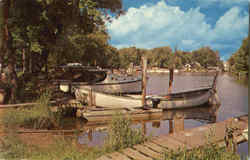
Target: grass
210	151
121	135
37	117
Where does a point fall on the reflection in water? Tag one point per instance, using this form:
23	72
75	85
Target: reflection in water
175	118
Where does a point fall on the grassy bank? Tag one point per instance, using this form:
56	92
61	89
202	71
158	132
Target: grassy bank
61	147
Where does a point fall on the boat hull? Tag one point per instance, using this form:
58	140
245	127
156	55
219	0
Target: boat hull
109	101
183	100
126	87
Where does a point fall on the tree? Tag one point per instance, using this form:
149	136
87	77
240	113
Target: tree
239	60
56	31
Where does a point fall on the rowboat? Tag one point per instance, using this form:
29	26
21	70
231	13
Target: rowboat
185	99
128	101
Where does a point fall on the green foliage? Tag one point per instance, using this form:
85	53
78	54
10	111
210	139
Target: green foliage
38	117
12	147
164	57
239	62
61	148
121	135
209	152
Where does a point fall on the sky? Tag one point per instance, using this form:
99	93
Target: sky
185	24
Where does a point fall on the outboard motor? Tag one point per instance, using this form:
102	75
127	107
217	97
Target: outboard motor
155	102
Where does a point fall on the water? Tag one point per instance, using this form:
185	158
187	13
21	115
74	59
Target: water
233	97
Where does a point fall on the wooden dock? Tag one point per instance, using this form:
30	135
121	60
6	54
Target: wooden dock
190	139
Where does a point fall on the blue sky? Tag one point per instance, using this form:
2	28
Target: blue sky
187	24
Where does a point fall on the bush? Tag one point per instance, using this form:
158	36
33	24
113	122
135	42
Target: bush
39	116
121	135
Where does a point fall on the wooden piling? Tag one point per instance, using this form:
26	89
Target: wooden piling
171	128
215	80
90	98
171	79
144	80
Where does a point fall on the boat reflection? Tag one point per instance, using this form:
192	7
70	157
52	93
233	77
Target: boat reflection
171	121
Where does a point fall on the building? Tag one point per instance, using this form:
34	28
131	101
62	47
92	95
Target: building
187	67
226	66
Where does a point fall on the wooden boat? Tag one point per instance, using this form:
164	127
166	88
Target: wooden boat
180	100
107	100
114	84
186	99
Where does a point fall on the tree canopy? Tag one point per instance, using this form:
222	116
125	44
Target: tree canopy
165	57
239	61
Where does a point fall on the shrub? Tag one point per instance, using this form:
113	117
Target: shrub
39	116
121	135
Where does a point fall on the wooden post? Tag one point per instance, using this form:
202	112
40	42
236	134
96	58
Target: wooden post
144	80
171	126
90	135
171	79
144	128
90	98
215	80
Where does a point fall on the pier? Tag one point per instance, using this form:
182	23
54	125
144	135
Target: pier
189	139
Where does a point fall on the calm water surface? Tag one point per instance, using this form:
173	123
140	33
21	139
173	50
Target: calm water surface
233	97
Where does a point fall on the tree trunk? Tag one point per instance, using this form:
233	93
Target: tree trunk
5	13
7	50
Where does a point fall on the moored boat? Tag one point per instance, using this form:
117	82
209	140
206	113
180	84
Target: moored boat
108	100
182	100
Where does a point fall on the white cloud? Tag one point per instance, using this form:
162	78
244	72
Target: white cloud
162	25
232	24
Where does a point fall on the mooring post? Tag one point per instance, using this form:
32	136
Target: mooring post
144	80
170	84
171	79
90	98
144	128
215	80
90	135
171	126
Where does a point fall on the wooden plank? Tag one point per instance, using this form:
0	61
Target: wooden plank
118	156
154	147
169	143
147	151
103	158
135	154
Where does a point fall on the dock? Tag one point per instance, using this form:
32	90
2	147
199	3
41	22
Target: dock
189	139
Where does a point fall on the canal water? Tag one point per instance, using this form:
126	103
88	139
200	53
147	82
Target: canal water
233	96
